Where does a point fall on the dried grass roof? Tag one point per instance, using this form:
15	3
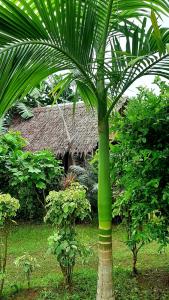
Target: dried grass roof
48	130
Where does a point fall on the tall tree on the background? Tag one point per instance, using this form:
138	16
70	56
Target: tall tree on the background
38	38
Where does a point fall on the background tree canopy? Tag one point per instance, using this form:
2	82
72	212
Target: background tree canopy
41	95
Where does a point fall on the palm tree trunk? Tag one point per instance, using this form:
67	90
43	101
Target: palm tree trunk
104	285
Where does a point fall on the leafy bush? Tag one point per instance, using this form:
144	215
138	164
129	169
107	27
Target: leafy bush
8	210
139	168
28	265
27	176
88	177
64	207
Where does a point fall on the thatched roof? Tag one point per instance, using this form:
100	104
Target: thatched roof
59	129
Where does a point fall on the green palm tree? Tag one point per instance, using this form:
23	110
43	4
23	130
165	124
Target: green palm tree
104	50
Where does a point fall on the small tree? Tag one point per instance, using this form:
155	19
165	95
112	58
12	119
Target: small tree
8	209
64	208
139	168
28	265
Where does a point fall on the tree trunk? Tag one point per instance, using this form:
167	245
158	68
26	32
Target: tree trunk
4	261
104	285
68	275
135	252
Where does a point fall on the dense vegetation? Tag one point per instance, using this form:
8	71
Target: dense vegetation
41	95
140	174
27	176
82	38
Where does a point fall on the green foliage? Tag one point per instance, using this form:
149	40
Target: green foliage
64	208
8	208
41	95
87	177
26	175
65	246
139	167
144	49
28	264
88	45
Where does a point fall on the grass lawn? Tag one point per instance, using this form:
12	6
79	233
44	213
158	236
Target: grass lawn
47	281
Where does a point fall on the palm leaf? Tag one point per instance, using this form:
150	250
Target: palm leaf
157	33
61	86
40	37
141	56
22	73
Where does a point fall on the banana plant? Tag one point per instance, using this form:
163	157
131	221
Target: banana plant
102	46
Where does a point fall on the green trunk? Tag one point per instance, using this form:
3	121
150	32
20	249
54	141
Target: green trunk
104	193
104	286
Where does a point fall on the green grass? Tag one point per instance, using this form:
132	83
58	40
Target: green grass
47	282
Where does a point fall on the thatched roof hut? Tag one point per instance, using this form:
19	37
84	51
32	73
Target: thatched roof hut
60	129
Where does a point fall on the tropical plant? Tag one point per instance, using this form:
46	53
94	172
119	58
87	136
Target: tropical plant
64	207
27	176
28	264
38	38
8	209
41	95
139	169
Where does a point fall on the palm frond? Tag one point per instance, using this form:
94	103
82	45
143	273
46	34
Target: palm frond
38	38
23	67
69	25
144	54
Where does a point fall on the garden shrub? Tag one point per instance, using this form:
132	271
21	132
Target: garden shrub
88	177
27	176
8	210
139	168
64	207
28	264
